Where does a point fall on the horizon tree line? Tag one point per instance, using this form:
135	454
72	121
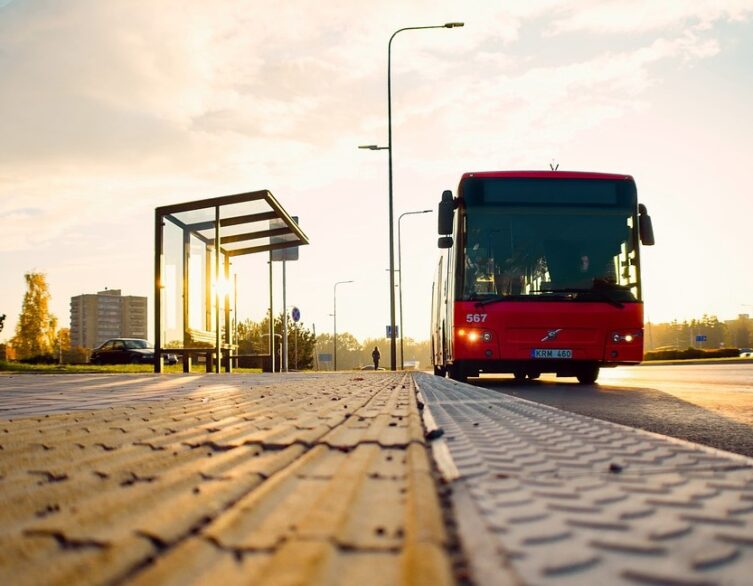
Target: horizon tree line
37	335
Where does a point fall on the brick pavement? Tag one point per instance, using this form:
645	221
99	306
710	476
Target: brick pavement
326	479
234	479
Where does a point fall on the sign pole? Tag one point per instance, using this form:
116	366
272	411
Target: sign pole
296	315
284	358
316	349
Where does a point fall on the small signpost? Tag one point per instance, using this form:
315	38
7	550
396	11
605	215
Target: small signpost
283	255
296	315
389	331
325	357
700	338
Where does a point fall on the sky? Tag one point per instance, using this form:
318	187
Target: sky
110	109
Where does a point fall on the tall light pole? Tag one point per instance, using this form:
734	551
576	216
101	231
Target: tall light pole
400	279
393	345
334	316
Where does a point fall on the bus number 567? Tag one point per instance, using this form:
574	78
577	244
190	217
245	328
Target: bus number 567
475	318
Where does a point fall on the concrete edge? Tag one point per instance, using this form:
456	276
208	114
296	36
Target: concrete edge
439	448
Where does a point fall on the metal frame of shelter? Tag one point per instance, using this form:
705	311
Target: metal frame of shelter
197	270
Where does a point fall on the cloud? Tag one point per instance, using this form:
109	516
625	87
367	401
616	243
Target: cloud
105	85
636	16
111	108
511	114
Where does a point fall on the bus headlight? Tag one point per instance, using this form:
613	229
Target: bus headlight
625	337
476	335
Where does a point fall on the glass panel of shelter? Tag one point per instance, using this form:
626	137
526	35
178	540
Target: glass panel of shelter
246	208
190	281
172	279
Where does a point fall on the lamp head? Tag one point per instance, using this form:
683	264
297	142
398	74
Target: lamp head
454	24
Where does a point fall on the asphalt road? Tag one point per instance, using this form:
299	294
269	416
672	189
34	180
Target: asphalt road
711	405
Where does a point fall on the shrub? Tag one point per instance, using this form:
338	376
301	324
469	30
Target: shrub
76	355
39	359
691	354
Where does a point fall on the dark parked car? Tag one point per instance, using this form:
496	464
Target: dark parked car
127	351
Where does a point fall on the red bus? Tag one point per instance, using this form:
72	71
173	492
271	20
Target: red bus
541	273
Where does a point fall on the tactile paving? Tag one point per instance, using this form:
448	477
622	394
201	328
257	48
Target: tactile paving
314	479
560	498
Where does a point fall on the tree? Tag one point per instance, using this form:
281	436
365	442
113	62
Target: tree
253	338
2	322
739	332
302	340
35	331
63	340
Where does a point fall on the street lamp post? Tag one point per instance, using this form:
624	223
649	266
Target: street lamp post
393	345
334	316
400	280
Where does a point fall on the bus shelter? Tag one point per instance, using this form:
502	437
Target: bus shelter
194	244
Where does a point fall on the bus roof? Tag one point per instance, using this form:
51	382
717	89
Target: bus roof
545	175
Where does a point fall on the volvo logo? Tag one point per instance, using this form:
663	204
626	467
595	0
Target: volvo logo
551	335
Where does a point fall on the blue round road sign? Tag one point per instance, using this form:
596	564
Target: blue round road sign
296	313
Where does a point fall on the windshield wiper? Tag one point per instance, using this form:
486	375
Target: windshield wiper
489	300
499	298
601	295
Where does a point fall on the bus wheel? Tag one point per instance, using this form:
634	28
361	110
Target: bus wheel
457	372
519	375
588	375
534	375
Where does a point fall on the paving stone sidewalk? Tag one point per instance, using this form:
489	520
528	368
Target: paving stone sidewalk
235	479
543	496
327	479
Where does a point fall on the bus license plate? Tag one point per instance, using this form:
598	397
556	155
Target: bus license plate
551	353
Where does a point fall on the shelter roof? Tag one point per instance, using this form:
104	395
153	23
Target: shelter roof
249	222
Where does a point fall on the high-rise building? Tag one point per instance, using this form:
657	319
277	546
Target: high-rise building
106	314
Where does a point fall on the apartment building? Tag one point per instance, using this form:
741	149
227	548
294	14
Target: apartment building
106	314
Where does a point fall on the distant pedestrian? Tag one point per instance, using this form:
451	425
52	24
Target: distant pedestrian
375	355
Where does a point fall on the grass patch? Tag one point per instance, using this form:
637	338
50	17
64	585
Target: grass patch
106	368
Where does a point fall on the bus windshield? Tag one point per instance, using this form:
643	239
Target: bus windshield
549	240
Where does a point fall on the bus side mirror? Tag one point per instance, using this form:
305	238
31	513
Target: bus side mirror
445	214
645	227
444	242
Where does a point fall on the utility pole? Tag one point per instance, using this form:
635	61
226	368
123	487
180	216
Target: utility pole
271	317
284	350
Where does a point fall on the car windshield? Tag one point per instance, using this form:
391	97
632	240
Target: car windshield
137	344
551	241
